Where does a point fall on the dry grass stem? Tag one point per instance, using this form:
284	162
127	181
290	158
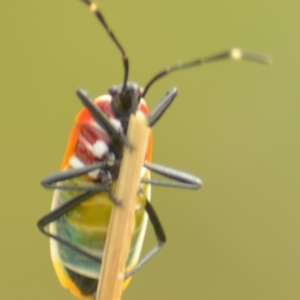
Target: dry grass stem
122	220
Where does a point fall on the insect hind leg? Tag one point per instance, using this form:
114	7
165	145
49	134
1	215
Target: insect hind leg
160	236
57	213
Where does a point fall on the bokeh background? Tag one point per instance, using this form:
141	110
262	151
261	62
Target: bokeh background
236	125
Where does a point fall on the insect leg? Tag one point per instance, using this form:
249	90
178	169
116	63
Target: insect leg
162	106
160	236
101	119
180	179
50	181
60	211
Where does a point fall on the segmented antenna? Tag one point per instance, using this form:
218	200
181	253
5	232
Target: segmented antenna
93	7
234	54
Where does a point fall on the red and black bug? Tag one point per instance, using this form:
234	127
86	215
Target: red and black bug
83	196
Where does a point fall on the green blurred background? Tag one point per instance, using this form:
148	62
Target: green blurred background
236	125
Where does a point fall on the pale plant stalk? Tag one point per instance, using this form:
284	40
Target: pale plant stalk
121	224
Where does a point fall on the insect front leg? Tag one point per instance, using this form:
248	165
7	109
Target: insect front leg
162	106
101	119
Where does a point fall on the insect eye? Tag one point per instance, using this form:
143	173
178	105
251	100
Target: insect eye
112	91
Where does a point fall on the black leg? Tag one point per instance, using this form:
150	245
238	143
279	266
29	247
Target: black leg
117	136
160	236
162	106
181	179
57	213
50	181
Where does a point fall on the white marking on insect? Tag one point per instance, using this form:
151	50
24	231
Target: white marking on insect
99	149
94	174
116	123
75	162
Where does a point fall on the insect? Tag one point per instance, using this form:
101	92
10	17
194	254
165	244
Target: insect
84	188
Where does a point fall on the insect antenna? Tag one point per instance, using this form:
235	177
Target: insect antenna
234	54
93	7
